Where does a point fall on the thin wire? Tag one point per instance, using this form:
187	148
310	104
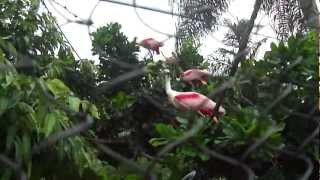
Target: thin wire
135	73
146	24
59	28
65	8
171	13
68	20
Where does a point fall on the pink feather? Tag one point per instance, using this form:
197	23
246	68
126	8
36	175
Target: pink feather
193	101
151	44
191	75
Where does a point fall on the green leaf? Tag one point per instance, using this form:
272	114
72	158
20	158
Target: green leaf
158	141
9	79
74	103
182	120
166	131
133	177
58	88
11	133
4	103
189	151
49	124
204	157
87	107
94	111
35	4
26	144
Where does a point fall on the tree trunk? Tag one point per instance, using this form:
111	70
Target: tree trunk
242	51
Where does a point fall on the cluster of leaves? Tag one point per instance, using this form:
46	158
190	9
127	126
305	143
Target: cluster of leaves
34	103
288	72
203	17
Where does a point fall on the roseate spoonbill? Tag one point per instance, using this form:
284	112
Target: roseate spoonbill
196	76
151	44
193	101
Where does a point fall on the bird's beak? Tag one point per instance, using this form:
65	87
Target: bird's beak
204	82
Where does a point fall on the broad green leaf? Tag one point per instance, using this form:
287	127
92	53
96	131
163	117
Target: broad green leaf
57	87
50	123
166	131
87	107
94	111
74	103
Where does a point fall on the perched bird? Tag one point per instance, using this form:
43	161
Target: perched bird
151	44
195	76
193	101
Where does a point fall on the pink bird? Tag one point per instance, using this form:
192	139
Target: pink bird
151	44
195	76
193	101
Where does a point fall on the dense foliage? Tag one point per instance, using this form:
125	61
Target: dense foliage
45	92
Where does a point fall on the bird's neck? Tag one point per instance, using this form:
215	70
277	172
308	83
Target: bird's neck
169	90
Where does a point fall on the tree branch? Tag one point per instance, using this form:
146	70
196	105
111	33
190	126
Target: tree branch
242	51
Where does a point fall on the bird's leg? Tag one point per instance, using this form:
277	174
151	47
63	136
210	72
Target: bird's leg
199	112
215	119
151	55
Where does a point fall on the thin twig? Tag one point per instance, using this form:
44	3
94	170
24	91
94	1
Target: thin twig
227	159
124	160
13	165
186	136
54	138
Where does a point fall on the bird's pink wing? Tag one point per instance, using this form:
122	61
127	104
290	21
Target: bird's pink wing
191	100
187	72
148	43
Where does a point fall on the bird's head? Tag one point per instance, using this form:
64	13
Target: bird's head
221	111
161	44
